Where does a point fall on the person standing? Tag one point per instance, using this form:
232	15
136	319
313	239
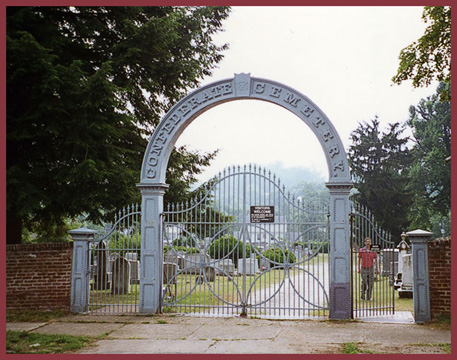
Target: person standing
368	262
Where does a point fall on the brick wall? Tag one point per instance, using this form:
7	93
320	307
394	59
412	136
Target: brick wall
439	262
38	276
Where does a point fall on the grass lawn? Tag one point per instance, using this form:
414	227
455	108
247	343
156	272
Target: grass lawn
23	342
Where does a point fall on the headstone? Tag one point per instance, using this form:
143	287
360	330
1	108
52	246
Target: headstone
132	257
209	276
192	263
174	257
407	280
101	280
389	262
248	266
121	276
264	264
224	267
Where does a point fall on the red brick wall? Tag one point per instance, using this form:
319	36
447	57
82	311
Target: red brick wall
38	276
439	262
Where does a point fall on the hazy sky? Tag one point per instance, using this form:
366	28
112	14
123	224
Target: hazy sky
342	58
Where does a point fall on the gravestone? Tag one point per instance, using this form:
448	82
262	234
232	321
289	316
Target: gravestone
134	267
210	274
407	280
192	263
251	268
224	267
264	264
175	257
101	279
121	276
390	262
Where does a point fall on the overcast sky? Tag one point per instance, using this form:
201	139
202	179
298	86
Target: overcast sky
342	58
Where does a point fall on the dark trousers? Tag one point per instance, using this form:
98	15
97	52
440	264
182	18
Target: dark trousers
367	282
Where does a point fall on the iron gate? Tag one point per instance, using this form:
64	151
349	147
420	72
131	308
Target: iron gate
373	294
244	246
114	265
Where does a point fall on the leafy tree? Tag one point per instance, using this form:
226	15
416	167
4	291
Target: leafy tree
430	174
86	86
379	163
429	58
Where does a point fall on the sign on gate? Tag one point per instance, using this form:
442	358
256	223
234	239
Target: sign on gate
262	214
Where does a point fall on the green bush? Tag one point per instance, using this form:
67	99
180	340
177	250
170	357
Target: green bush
316	244
185	241
277	255
228	247
121	243
187	250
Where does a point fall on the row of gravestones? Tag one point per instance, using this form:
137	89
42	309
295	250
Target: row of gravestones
114	272
190	263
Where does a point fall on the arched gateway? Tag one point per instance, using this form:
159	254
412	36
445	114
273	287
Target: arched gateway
161	144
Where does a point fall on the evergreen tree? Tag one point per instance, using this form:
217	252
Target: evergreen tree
379	163
86	86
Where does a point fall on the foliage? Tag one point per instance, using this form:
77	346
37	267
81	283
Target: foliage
352	348
34	316
185	242
228	247
23	342
429	58
430	174
122	243
96	81
278	256
379	163
186	249
199	214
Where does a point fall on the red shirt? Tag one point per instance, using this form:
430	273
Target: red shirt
367	257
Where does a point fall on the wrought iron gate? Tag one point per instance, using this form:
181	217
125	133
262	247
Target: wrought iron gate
114	265
373	294
243	246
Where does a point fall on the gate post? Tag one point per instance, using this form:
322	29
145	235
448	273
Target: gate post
80	276
151	247
421	286
340	251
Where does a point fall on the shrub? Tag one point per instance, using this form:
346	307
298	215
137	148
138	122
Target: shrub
187	250
228	247
185	241
122	244
278	256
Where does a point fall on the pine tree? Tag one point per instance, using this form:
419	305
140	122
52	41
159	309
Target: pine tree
379	163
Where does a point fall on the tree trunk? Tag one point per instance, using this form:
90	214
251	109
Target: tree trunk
13	229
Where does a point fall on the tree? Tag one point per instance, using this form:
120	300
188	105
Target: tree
429	58
430	174
86	86
379	163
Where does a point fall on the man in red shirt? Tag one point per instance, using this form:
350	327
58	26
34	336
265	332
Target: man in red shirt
367	263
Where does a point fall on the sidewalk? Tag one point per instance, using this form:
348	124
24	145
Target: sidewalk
162	334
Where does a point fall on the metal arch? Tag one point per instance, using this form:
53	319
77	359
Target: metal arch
242	86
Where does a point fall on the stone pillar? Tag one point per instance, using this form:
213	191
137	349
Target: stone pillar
151	271
421	287
81	269
340	251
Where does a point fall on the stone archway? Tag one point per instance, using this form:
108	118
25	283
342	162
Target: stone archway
157	154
